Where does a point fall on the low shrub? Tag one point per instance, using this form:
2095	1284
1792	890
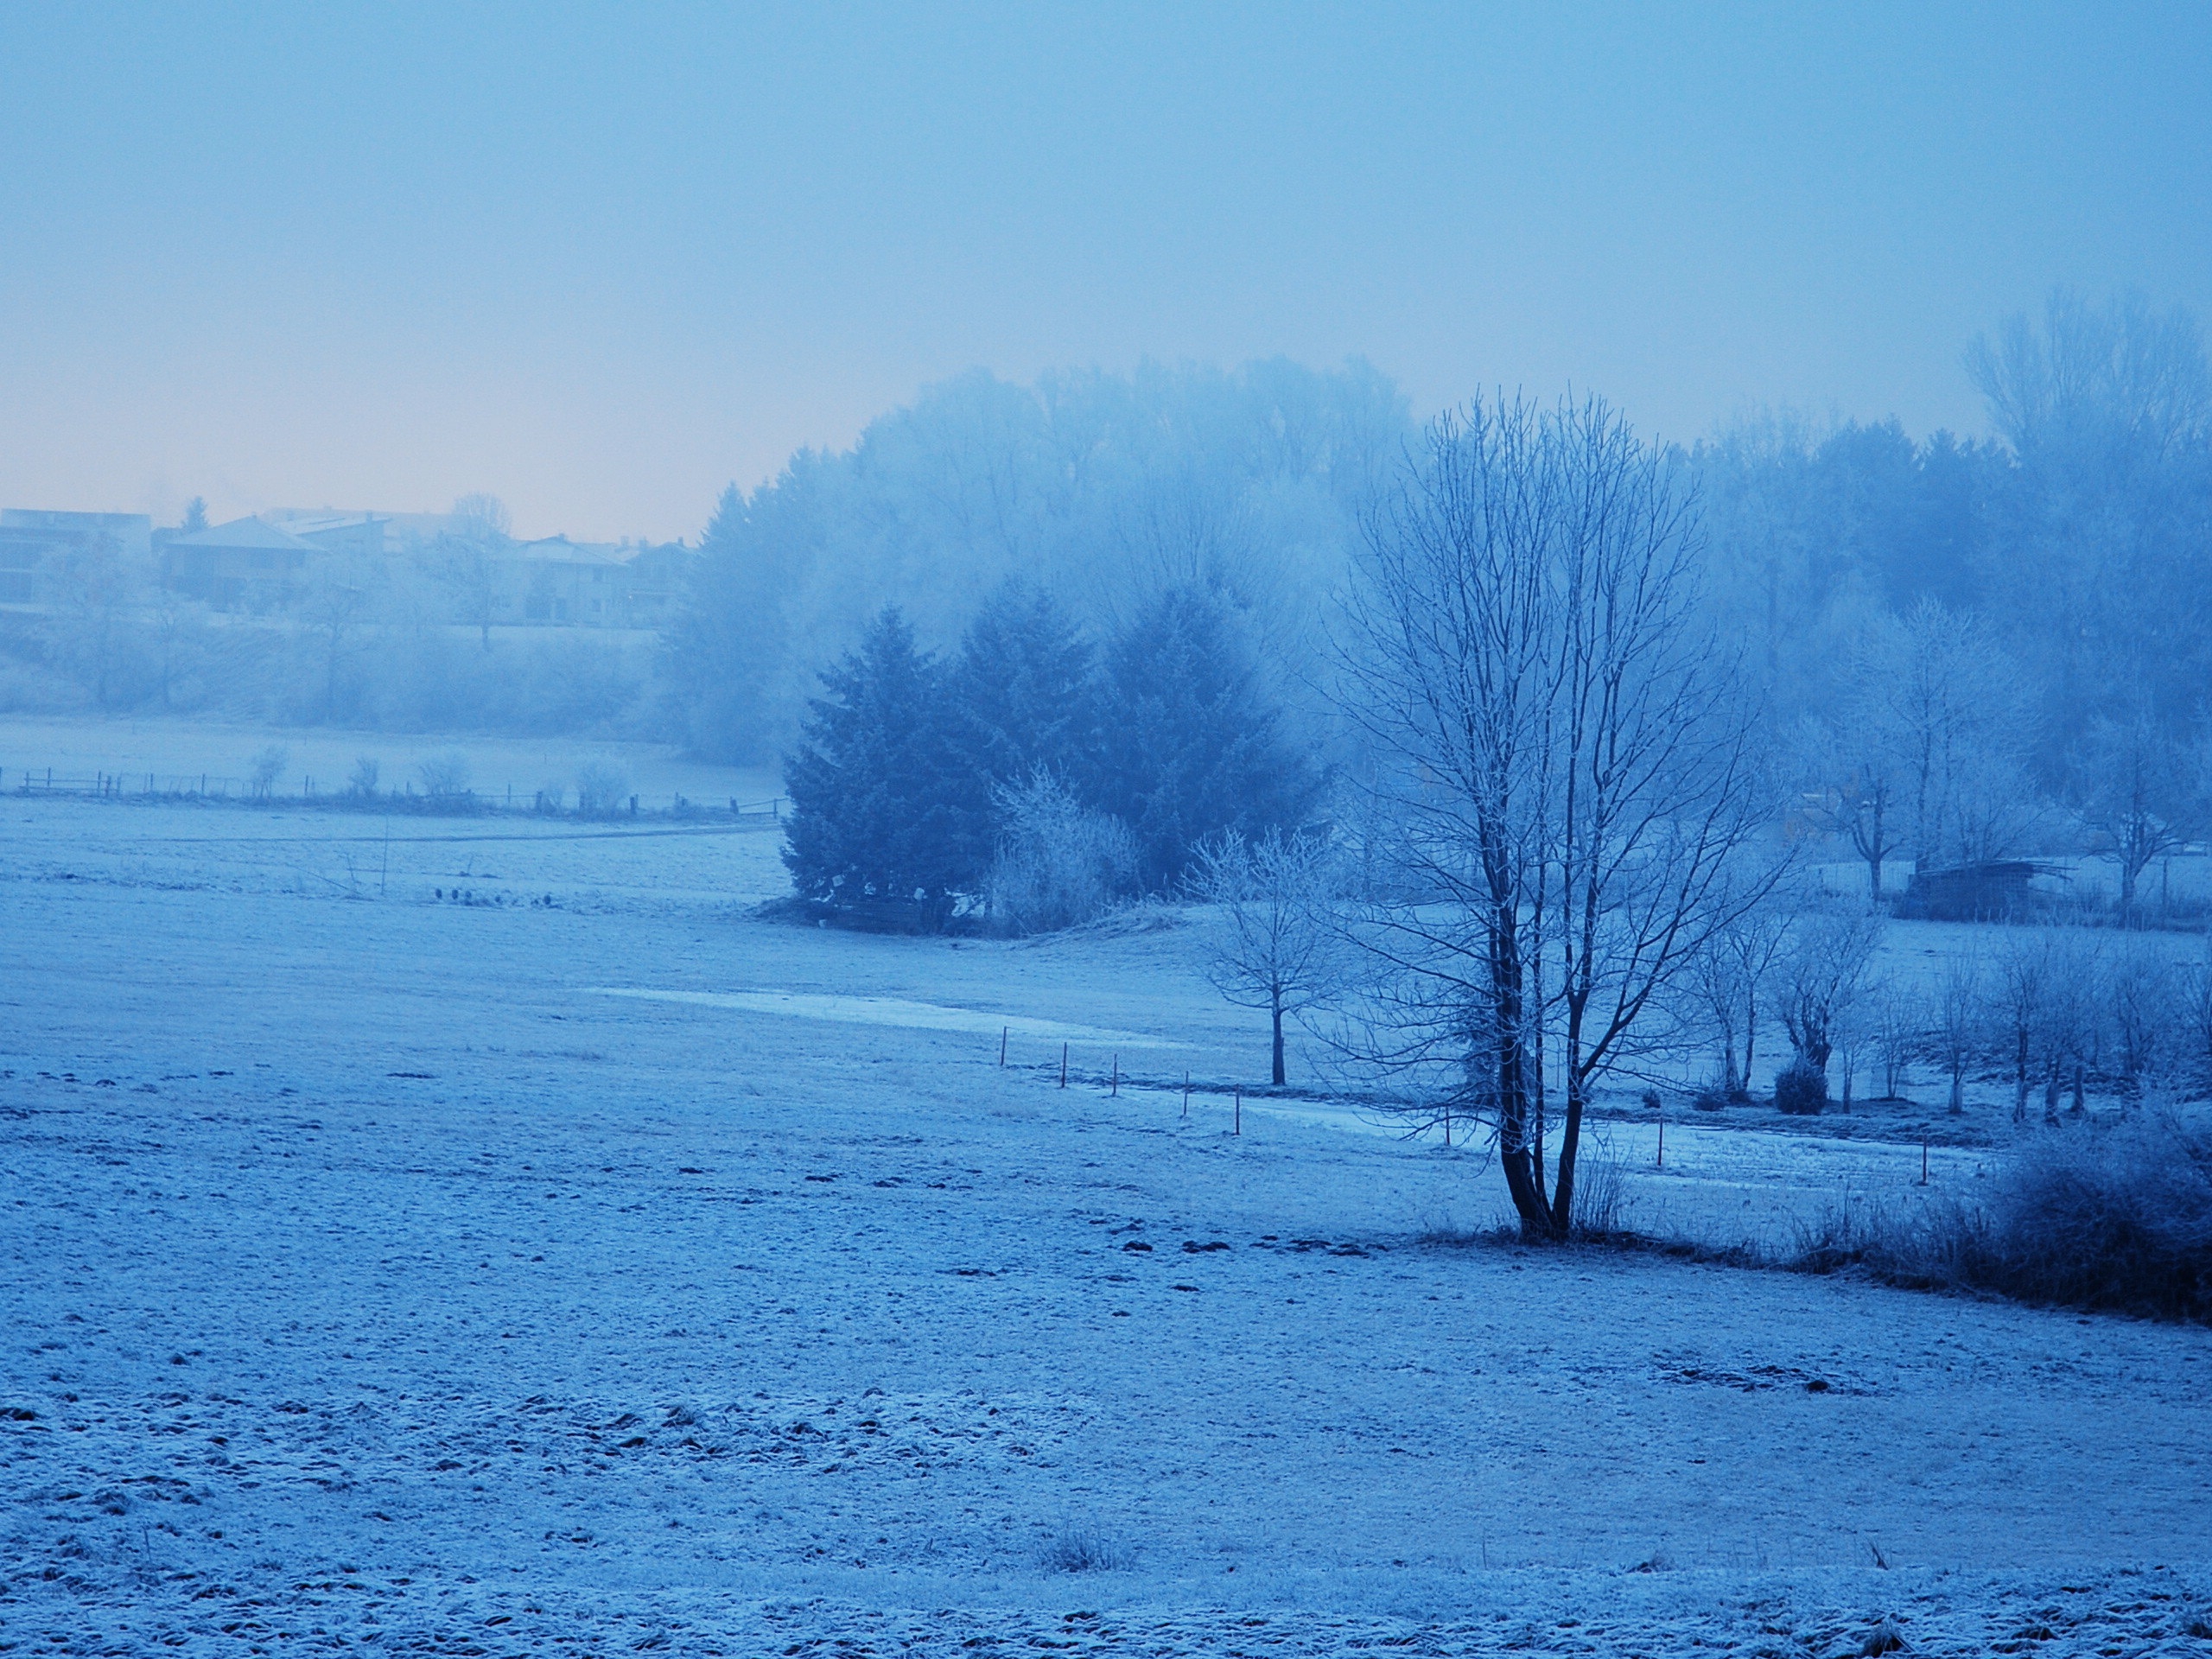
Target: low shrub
1058	864
600	790
1079	1549
444	775
1600	1193
1801	1088
2116	1216
267	767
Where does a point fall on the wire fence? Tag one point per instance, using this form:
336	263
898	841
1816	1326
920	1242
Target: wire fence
214	788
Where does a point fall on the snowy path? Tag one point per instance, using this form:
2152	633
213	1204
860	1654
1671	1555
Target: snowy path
366	1276
896	1011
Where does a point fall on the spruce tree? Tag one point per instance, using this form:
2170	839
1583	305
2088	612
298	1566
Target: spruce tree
886	819
1193	745
1025	684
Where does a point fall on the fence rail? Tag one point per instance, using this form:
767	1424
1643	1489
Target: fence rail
215	788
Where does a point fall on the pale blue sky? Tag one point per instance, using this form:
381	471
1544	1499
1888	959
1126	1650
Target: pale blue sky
602	260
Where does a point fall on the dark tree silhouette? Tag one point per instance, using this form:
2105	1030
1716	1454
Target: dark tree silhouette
886	822
1192	745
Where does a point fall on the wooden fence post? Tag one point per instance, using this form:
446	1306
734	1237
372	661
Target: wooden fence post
1064	1066
1236	1125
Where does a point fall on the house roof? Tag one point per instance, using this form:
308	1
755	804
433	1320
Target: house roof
244	532
559	549
314	523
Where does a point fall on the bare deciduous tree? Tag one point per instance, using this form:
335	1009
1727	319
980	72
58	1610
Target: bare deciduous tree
1962	1007
2145	994
2195	998
99	588
1824	974
1959	708
444	775
266	767
1566	773
1926	752
478	530
2049	980
340	603
1856	765
177	631
1730	977
2071	1013
1275	944
2137	789
1897	1024
2025	970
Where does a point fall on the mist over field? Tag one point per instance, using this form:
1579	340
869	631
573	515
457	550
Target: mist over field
1186	833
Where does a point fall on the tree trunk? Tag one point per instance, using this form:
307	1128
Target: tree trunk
1576	982
1876	849
1570	1143
1521	1168
1278	1019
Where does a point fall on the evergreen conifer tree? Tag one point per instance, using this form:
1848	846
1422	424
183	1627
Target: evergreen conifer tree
885	817
1027	689
1192	745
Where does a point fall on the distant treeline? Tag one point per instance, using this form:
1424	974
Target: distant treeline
1103	490
2081	537
1967	640
364	668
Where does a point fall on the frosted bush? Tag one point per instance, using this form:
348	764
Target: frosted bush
444	775
1080	1549
267	767
1057	865
600	790
2115	1215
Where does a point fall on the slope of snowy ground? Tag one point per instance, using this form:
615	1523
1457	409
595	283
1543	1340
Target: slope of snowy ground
373	1280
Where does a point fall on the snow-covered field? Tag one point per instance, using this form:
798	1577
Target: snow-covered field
376	1279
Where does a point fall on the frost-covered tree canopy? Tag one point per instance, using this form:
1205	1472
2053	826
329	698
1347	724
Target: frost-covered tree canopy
1102	490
